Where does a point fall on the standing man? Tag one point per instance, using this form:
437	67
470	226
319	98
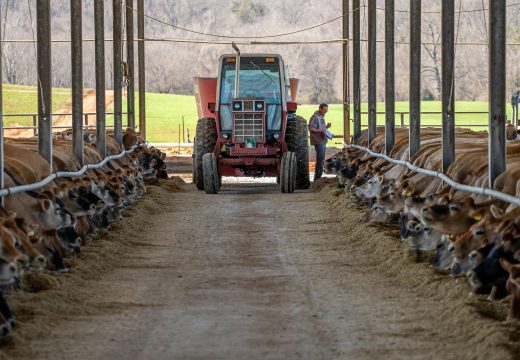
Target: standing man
317	129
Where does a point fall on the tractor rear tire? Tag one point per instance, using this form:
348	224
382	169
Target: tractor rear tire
210	173
296	137
205	141
288	170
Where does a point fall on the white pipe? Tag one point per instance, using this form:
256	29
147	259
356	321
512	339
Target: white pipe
457	186
51	177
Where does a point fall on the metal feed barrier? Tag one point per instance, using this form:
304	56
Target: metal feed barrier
497	77
438	174
123	73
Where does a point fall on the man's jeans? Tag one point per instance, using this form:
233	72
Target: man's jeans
320	156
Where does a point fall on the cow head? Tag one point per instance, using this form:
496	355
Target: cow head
454	217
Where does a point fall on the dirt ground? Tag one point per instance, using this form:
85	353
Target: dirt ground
253	274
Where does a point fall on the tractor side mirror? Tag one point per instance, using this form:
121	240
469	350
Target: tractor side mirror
292	106
211	107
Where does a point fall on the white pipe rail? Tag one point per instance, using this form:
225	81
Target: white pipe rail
53	176
457	186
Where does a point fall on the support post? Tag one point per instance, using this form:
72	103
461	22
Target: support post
118	76
497	88
415	76
356	62
141	66
2	182
372	72
390	77
346	73
130	97
76	48
99	21
43	10
448	83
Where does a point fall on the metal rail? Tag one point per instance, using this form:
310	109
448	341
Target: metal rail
438	174
31	187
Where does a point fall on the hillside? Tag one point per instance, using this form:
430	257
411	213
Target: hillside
170	67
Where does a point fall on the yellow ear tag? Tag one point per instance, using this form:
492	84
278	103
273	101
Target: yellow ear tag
30	233
409	193
477	217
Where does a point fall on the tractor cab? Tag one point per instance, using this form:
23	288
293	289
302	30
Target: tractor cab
248	125
259	103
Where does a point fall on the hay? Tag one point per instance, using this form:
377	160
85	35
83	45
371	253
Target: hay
468	319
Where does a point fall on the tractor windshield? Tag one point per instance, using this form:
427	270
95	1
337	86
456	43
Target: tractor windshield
259	79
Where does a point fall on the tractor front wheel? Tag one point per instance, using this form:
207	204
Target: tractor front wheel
210	173
205	141
288	172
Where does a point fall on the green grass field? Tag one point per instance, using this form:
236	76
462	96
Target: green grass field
166	111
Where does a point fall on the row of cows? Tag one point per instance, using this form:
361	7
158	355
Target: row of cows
467	235
39	228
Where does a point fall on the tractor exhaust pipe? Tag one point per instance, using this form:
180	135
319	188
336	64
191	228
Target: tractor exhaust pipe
237	74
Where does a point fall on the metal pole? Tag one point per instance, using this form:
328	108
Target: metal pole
43	10
141	65
76	48
372	72
356	62
448	83
390	77
2	182
415	76
118	76
497	88
99	21
183	134
130	63
346	73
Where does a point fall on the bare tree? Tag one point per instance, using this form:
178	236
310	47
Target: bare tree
433	71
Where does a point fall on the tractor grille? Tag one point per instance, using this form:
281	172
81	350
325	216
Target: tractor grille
249	126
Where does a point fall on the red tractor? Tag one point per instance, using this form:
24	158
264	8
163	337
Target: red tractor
248	124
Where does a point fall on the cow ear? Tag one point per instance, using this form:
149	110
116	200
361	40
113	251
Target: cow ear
12	215
496	211
380	179
468	201
506	265
46	205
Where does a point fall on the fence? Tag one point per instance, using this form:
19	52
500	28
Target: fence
35	121
403	114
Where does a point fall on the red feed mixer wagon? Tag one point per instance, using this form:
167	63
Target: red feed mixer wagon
248	124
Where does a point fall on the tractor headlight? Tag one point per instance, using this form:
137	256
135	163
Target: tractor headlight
225	136
237	106
259	106
276	136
